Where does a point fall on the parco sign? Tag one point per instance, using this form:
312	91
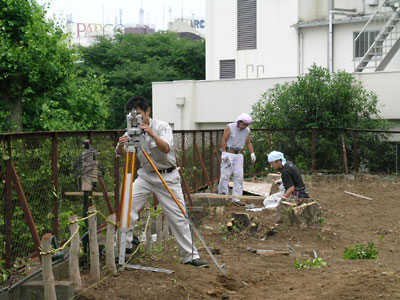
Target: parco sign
90	29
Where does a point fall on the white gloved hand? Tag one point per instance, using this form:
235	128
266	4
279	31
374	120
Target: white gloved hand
224	156
253	157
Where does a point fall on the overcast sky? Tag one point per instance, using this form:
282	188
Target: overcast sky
155	12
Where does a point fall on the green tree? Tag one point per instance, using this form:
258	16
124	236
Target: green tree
130	63
318	100
38	70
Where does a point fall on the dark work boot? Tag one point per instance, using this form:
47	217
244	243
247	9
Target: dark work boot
198	263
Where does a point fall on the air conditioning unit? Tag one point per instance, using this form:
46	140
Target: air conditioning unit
372	2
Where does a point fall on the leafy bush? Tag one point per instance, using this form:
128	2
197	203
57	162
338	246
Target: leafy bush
321	100
360	252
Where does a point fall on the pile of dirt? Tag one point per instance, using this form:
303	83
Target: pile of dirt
251	274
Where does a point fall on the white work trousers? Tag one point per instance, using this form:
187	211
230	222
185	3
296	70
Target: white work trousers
232	165
148	183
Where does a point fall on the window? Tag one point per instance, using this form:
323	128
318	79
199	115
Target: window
246	24
227	69
364	41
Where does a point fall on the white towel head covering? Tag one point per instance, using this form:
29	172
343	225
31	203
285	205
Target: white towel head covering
275	155
245	118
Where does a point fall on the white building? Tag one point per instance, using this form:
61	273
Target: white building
253	44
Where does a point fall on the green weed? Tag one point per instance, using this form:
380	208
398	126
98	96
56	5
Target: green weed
309	263
360	251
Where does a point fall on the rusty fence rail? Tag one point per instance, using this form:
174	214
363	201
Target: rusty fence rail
40	172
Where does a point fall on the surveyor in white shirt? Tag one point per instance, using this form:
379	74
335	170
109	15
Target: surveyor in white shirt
236	135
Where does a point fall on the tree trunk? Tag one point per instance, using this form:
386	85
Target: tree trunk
14	120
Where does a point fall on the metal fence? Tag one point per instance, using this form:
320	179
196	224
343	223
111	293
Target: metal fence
40	181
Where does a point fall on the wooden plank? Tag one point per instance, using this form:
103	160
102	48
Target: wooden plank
288	203
357	195
215	196
81	194
257	188
298	208
268	252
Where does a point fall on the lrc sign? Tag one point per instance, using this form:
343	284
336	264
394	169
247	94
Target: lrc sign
88	29
199	24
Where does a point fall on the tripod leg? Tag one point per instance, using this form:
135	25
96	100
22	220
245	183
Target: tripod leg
122	245
123	188
130	188
125	209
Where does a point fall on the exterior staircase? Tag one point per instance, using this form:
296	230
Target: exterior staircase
386	41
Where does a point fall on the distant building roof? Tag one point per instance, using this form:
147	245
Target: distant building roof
139	30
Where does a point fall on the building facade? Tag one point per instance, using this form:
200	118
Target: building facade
253	44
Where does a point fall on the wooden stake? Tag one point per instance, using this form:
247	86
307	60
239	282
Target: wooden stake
48	277
94	247
110	255
74	273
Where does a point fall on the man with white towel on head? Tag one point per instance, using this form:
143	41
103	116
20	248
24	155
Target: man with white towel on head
293	185
236	135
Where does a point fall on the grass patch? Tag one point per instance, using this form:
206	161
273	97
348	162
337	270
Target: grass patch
360	251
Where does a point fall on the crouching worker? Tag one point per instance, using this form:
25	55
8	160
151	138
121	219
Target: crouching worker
159	140
294	187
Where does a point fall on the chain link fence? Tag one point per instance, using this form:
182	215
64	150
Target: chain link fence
49	169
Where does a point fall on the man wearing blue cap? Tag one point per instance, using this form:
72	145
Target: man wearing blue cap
291	177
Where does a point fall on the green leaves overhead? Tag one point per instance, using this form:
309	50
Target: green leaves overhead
38	73
47	84
130	63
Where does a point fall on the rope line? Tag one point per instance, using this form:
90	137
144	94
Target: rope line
90	214
54	251
119	269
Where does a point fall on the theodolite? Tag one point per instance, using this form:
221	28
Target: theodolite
136	136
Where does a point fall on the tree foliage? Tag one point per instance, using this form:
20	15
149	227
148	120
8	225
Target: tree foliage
321	100
130	63
38	71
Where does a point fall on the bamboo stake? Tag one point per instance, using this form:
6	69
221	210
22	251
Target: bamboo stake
48	277
148	233
94	247
74	273
159	228
110	255
165	229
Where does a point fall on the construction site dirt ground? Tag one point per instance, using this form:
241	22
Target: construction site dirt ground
344	220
